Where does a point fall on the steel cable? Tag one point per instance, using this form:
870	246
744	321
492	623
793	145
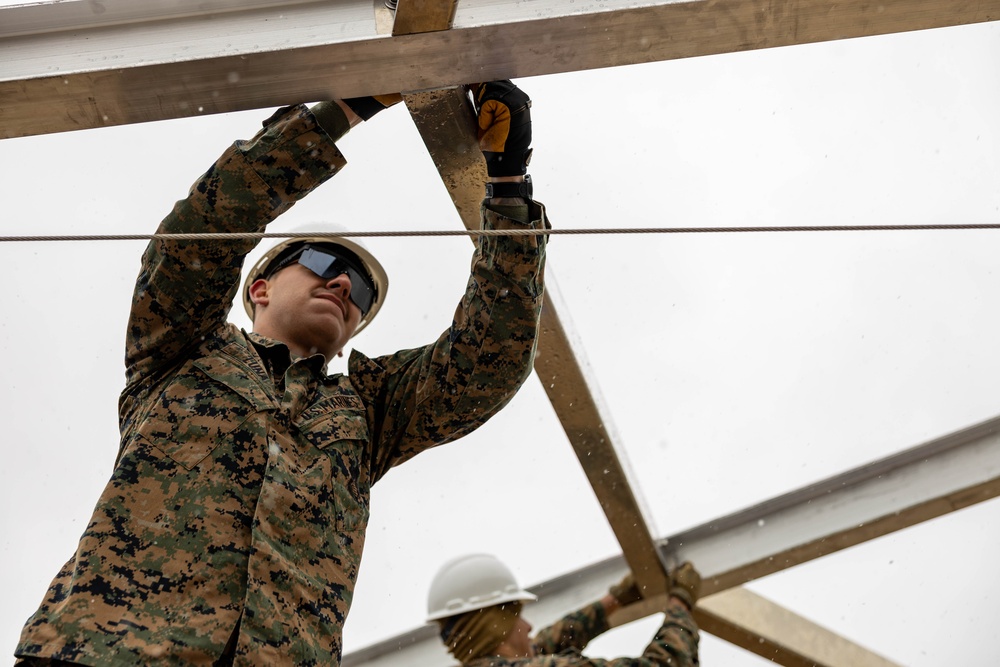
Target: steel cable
500	232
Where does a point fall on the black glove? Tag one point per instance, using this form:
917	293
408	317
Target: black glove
685	584
504	127
366	107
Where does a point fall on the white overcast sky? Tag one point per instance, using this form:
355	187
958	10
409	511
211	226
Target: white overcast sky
736	367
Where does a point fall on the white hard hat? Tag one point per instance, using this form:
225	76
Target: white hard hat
472	582
326	234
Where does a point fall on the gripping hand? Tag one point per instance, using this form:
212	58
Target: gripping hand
685	584
504	127
626	591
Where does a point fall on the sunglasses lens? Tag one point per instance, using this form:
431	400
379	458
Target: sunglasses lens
322	264
362	291
326	265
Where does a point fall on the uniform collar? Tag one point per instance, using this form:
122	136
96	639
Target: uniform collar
278	352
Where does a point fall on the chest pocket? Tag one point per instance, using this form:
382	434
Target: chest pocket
203	406
338	427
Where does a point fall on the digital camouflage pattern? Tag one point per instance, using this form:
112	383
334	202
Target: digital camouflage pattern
560	644
235	518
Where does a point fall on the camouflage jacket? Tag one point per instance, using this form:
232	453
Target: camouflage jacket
560	645
235	517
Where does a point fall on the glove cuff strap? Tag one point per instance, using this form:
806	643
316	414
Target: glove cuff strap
523	189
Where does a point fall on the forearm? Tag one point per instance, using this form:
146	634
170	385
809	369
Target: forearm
185	288
573	631
494	329
676	642
437	393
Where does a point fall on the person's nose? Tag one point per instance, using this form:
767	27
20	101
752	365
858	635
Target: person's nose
340	284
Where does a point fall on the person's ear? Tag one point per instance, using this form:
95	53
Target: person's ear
259	292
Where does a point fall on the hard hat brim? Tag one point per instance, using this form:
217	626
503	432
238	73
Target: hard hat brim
471	582
482	603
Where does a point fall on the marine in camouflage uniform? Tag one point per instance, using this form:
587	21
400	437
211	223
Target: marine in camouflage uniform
560	644
232	528
497	636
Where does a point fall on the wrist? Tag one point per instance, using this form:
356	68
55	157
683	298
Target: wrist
332	118
509	187
679	601
352	117
611	604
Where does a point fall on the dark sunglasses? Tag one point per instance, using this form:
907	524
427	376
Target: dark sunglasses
327	264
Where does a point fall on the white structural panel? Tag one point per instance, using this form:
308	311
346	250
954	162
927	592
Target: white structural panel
902	490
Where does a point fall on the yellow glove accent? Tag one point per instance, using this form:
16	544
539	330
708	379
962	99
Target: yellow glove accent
494	126
388	100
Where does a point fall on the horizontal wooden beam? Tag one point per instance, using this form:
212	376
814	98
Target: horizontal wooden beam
131	65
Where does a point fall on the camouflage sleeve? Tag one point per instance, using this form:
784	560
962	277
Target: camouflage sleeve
573	631
676	642
675	645
431	395
185	288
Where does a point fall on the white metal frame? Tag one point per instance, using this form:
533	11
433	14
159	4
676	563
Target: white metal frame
902	490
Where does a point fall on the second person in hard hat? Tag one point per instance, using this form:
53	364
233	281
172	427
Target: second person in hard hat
232	528
476	602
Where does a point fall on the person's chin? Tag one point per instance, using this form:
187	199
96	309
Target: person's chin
325	333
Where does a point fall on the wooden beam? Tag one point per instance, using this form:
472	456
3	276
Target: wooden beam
772	632
446	122
133	68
